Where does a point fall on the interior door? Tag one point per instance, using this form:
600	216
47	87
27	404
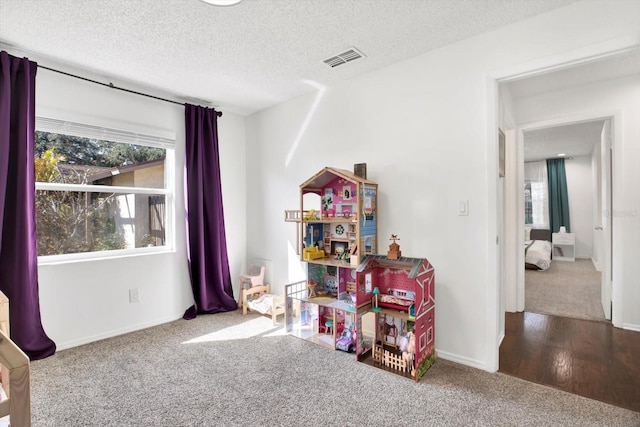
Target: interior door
605	228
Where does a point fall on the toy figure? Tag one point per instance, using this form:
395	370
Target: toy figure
408	355
331	284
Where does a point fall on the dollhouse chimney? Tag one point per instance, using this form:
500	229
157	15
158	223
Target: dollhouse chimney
394	248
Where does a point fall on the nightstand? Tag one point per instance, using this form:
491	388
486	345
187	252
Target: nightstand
564	246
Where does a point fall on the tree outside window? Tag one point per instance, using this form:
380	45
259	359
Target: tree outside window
83	199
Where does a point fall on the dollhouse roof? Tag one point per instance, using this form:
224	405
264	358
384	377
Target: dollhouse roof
328	174
405	263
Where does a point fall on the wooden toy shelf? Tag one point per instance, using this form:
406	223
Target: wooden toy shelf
340	220
291	215
331	261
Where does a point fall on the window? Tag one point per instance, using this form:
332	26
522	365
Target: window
536	195
528	204
100	190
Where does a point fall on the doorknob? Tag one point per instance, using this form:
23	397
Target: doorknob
598	227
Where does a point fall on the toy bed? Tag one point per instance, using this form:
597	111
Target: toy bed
537	249
397	299
258	298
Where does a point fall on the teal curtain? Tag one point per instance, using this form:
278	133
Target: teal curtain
558	195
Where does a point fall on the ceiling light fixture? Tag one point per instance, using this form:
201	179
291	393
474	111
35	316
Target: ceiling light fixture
222	2
562	154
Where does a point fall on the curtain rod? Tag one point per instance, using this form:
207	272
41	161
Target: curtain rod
112	86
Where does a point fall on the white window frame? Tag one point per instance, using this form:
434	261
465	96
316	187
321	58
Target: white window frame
156	139
536	174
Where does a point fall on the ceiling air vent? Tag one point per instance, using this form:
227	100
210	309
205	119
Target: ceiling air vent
344	57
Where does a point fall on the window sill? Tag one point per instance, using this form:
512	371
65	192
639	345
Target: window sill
105	255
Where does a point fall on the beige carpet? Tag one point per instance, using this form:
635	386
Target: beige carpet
230	370
569	289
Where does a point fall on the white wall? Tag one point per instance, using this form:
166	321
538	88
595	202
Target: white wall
506	117
427	128
85	301
581	201
619	98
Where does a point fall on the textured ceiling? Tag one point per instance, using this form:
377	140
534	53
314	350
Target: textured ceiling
250	56
573	140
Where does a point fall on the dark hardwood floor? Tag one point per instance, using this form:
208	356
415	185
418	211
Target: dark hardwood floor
584	357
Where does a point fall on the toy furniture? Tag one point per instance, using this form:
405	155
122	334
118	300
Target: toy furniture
255	277
397	299
328	327
311	289
312	253
15	374
259	299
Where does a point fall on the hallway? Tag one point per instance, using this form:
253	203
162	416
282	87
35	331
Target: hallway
584	357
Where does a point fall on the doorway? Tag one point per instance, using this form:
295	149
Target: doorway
566	97
530	117
576	282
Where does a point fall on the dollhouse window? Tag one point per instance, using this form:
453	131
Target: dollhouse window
346	192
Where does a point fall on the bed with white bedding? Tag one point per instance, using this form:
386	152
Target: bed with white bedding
537	249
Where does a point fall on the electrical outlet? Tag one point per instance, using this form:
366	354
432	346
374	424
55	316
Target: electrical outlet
134	295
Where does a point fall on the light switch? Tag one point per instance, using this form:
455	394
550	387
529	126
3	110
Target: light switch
463	207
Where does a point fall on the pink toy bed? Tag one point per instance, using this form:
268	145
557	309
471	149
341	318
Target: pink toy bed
397	299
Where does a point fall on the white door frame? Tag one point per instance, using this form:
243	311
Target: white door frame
512	222
518	215
494	311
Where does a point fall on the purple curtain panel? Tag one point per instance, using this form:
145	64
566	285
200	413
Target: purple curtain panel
18	244
206	240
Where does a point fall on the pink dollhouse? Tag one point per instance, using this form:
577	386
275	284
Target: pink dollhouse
337	242
404	335
333	234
